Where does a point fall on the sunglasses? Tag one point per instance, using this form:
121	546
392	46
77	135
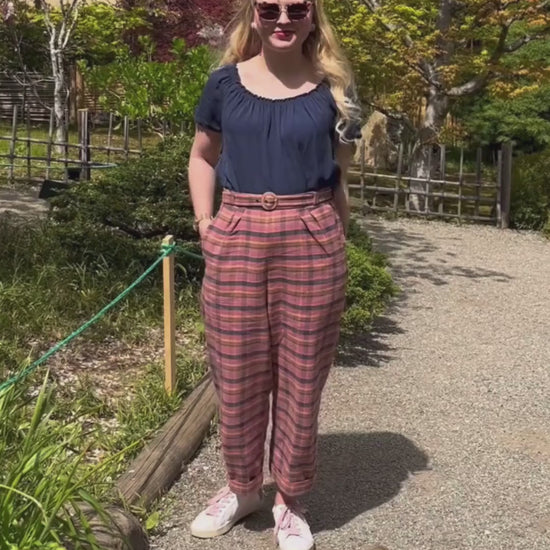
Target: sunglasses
269	11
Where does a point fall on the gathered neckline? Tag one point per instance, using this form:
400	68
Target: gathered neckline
239	82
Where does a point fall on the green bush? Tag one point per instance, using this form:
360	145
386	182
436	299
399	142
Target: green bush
370	285
530	205
143	198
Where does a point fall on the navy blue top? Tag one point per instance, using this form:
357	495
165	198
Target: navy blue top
285	146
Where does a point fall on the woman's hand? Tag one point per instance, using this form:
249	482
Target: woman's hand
203	226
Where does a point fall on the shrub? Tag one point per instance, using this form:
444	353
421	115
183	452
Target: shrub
144	198
530	205
370	285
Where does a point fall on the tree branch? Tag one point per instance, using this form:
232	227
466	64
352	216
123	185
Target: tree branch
470	87
400	117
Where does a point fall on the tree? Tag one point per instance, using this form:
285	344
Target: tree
438	51
59	25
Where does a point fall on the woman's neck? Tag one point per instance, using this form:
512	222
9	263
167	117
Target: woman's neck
283	64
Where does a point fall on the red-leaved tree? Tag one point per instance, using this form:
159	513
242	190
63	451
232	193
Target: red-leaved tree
196	21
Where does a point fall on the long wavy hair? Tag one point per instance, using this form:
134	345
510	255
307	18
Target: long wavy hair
321	48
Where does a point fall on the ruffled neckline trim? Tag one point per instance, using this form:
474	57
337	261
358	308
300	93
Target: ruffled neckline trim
237	79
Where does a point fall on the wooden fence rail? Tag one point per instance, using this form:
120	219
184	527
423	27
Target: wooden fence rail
464	196
34	159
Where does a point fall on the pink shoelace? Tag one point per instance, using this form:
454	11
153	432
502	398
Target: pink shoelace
289	522
219	501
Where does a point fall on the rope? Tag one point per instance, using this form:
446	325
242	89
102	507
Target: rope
166	250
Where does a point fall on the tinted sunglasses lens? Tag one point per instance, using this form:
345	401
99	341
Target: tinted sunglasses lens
269	12
297	11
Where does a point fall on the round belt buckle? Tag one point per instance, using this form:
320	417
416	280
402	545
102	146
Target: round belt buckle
269	201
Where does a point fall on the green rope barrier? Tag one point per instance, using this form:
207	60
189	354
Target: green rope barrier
189	253
166	250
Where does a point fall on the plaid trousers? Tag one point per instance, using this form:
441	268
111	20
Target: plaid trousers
272	297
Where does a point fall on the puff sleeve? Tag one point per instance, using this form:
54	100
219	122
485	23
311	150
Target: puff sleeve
209	110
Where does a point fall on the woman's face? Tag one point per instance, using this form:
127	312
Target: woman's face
283	25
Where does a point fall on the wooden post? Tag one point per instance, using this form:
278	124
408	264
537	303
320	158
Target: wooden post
442	175
84	142
65	146
409	170
126	137
499	188
506	187
460	178
110	137
375	179
49	146
12	143
428	198
362	170
169	318
29	149
398	180
478	180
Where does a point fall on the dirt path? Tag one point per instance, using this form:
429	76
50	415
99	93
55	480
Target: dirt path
435	428
22	203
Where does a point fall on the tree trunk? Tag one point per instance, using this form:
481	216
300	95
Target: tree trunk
437	109
60	94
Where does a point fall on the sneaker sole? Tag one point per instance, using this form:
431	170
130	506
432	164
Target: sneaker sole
310	548
221	530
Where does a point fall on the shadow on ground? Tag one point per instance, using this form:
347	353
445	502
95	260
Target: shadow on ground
372	349
357	472
421	258
411	258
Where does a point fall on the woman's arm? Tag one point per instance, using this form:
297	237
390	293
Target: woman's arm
202	174
343	155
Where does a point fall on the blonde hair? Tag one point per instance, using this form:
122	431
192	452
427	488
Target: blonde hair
321	47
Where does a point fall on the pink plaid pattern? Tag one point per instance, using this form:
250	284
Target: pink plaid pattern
272	297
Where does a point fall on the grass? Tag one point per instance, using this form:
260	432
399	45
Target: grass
87	426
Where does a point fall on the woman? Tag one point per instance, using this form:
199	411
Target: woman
275	126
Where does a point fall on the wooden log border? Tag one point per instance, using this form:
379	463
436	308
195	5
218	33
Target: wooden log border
155	469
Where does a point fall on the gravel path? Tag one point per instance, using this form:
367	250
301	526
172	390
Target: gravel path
435	430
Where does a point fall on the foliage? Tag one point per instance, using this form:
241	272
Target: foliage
151	90
144	198
436	50
42	485
104	32
524	120
517	110
530	207
23	44
370	285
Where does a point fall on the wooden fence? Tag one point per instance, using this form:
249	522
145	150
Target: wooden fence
465	191
33	154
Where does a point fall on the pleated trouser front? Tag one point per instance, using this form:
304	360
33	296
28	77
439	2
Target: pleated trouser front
272	297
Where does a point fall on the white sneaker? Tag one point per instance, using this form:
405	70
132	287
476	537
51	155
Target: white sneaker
291	529
224	510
